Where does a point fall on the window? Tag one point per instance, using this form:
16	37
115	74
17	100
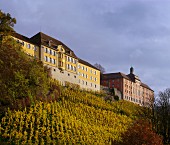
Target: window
50	60
46	50
82	82
138	93
71	67
79	66
86	83
86	69
82	67
68	74
46	58
68	66
75	61
95	86
54	53
54	61
60	55
54	69
28	46
74	76
91	71
95	79
51	52
91	78
95	72
23	43
59	63
74	68
91	85
34	48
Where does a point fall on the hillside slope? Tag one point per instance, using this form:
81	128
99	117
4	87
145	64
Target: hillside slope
77	117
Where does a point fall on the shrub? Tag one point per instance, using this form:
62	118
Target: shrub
140	133
116	98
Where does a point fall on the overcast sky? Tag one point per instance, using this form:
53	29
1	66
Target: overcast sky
117	34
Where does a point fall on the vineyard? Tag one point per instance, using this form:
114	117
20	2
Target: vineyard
77	117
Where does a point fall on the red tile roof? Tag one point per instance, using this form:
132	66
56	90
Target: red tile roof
122	75
115	75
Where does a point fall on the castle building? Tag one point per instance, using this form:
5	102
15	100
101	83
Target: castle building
130	86
65	65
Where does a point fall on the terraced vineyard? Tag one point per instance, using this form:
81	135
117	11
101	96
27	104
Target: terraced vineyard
75	118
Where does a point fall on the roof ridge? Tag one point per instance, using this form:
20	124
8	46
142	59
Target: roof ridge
43	38
87	63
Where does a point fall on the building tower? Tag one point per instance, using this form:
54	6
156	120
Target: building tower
131	70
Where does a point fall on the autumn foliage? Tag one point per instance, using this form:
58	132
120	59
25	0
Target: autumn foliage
59	115
76	118
140	133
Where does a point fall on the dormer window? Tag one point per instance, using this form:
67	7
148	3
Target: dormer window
49	43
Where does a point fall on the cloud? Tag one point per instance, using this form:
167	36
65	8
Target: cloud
116	34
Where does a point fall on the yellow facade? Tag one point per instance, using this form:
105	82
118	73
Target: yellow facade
61	57
88	76
29	48
71	64
66	66
50	56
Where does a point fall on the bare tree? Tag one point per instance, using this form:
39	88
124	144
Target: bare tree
161	115
100	67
